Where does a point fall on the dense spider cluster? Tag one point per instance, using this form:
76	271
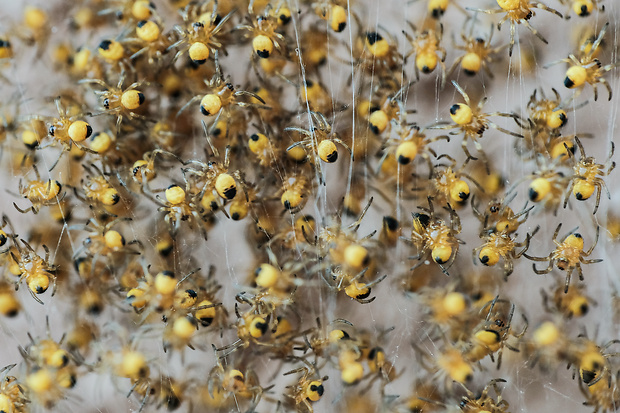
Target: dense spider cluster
276	205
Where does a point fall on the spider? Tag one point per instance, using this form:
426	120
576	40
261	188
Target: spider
478	53
501	245
491	335
230	383
518	12
427	50
586	68
12	394
567	256
473	403
319	139
407	141
179	205
263	29
103	241
200	37
472	122
221	97
431	236
309	387
38	272
39	193
123	103
587	176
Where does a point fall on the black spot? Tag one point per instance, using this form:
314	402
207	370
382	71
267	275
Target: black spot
426	69
341	26
569	83
140	97
469	72
229	193
5	43
52	130
263	54
390	223
484	259
373	37
94	309
423	219
437	13
262	327
308	83
588	376
454	108
584	309
287	204
40	290
374	129
172	402
439	260
254	137
89	131
199	61
141	23
197	25
579	196
206	321
105	44
564	119
204	111
584	11
332	157
577	235
463	195
285	19
364	295
318	389
533	194
12	313
235	216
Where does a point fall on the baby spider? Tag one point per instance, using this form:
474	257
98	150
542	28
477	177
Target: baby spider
478	53
263	30
407	141
583	8
499	217
518	12
309	387
13	397
473	403
231	383
179	205
501	245
586	68
472	122
567	256
118	101
492	333
38	272
332	11
447	183
221	96
200	36
431	236
427	50
319	139
103	241
39	193
587	176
